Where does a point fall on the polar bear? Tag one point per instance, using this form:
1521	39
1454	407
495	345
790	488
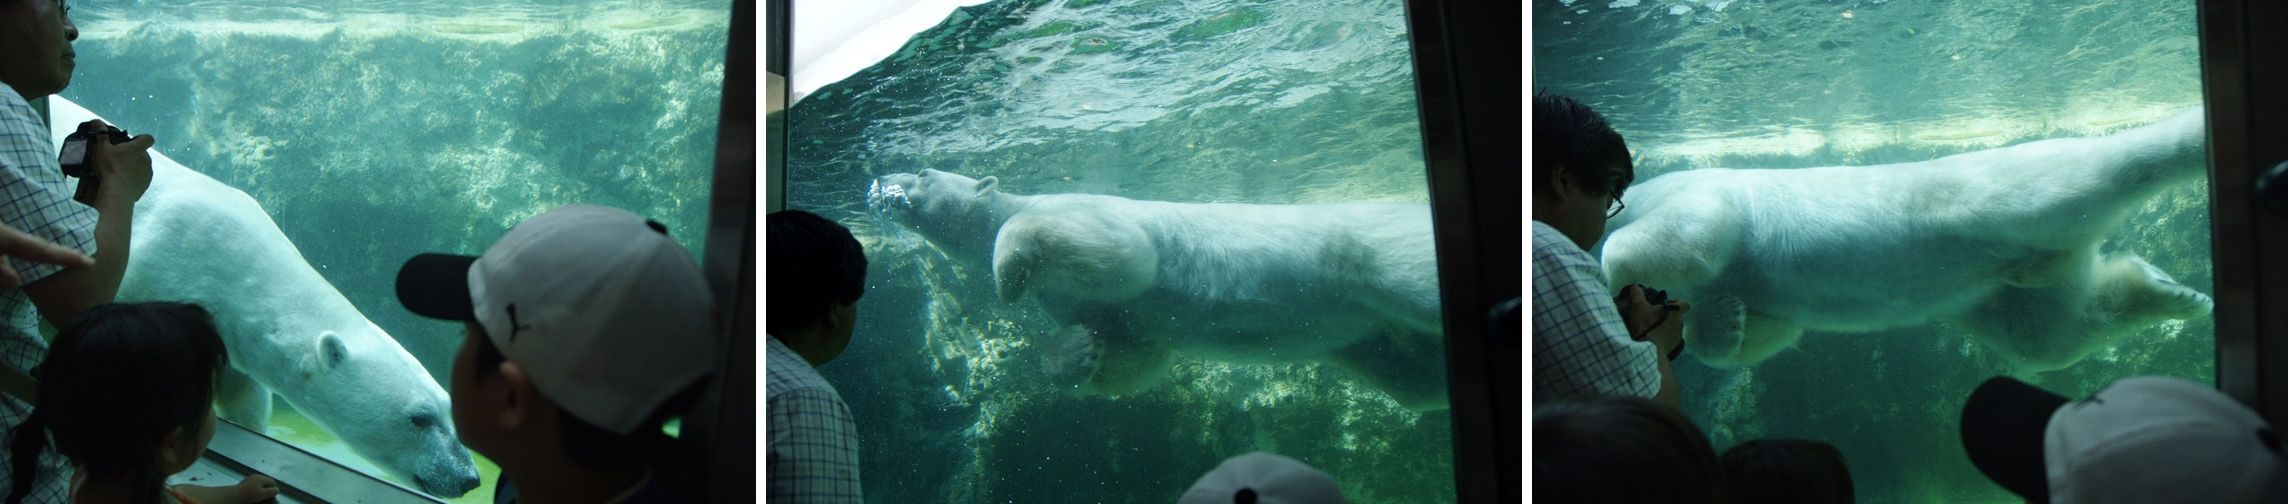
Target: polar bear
287	330
2000	243
1132	282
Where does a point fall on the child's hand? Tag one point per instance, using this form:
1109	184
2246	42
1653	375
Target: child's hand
257	488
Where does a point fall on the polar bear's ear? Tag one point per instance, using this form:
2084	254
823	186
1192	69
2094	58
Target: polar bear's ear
988	184
331	350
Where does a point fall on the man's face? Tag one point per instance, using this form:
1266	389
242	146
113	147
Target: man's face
35	46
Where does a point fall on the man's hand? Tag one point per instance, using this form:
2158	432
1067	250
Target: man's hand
1663	325
125	170
27	247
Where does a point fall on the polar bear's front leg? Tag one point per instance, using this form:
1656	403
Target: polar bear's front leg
1723	332
1073	255
242	400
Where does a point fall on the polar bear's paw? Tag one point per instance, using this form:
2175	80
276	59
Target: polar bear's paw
2144	294
1072	357
1714	328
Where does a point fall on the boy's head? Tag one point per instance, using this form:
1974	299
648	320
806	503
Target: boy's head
2140	439
588	327
1580	167
818	272
35	47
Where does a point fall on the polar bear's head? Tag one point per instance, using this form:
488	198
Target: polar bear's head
375	398
949	209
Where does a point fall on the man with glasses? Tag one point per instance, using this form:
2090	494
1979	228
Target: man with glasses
36	60
1585	342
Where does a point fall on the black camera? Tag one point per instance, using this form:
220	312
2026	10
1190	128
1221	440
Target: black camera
1655	297
74	157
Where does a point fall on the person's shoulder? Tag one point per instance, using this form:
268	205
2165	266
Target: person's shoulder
14	108
788	376
1545	235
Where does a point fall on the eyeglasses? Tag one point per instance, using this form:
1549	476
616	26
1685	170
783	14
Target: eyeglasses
1618	206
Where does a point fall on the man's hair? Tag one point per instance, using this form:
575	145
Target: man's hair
1566	133
1788	470
1622	449
593	446
815	263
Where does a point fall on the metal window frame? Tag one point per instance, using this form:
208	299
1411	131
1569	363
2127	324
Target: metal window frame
1470	102
2250	245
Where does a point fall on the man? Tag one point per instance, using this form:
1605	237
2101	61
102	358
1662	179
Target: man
36	61
588	328
817	273
2142	439
1584	342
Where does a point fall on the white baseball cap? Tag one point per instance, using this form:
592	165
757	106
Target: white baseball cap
1265	478
607	315
2143	439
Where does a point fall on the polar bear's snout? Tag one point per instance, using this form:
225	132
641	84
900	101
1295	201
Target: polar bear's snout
890	194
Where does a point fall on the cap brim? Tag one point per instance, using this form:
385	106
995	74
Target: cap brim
437	286
2002	431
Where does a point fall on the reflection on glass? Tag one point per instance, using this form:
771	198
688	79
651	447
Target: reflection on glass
372	131
1876	351
1237	190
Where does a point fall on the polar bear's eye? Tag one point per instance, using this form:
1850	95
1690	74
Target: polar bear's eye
424	421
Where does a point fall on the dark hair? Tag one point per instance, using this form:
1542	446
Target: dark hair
1567	133
1788	470
117	379
815	263
593	446
1622	449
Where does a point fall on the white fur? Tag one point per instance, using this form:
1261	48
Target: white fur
1350	284
288	331
2002	243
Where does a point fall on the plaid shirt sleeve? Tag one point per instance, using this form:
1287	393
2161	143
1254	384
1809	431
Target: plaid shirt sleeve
35	197
1580	346
812	444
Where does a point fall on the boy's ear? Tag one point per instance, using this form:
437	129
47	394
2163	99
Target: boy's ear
519	401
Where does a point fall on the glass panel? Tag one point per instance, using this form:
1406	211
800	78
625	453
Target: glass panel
961	396
373	131
1908	309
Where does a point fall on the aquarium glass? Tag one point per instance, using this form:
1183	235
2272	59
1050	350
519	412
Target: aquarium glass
1701	84
372	131
1197	102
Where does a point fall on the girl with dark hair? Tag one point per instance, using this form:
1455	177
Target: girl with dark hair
127	393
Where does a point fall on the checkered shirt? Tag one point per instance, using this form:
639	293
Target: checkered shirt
1580	346
35	198
813	443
